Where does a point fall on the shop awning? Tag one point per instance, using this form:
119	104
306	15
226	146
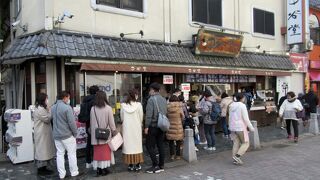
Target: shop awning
117	51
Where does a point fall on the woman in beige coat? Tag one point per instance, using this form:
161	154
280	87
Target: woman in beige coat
101	116
132	117
44	144
175	133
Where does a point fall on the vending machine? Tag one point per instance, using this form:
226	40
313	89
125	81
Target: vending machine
19	135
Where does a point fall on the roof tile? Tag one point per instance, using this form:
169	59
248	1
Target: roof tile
51	43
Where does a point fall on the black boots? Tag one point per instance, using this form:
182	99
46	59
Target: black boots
44	171
102	172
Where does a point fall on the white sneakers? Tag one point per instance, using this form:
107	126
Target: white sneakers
209	148
196	149
88	165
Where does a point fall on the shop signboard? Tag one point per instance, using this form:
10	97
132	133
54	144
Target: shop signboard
300	61
185	87
167	79
315	64
219	78
215	43
294	21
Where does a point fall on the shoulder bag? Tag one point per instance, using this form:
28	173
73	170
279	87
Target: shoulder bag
101	133
163	121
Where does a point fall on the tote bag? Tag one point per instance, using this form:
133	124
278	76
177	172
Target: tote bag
115	142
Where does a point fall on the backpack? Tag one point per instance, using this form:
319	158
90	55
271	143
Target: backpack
216	112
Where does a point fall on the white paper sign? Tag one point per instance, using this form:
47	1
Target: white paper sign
185	87
294	21
167	79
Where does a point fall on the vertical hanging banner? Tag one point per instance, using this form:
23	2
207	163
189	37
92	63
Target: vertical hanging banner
294	21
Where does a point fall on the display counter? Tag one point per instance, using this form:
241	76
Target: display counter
264	110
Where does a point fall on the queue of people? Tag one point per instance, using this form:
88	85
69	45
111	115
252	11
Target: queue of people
53	140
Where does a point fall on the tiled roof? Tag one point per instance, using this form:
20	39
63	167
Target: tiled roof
314	3
87	46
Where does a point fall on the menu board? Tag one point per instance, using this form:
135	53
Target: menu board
219	78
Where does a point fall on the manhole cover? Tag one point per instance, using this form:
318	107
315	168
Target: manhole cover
280	145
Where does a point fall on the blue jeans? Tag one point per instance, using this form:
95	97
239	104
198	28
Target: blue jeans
224	126
210	136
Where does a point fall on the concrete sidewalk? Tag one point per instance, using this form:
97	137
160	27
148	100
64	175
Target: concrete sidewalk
279	160
268	136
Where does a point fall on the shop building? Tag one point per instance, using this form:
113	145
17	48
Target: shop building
51	61
54	53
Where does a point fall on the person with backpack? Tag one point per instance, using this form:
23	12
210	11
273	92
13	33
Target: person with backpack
154	135
211	113
238	125
175	134
84	117
248	97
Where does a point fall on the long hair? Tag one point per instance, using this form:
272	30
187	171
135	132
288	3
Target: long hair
101	99
41	100
132	96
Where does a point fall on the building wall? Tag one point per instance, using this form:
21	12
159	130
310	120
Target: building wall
32	15
165	20
315	53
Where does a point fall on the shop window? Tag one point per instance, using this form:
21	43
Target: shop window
126	82
207	11
40	77
116	87
134	5
315	35
263	22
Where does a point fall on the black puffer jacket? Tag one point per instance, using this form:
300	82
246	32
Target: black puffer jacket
85	109
312	100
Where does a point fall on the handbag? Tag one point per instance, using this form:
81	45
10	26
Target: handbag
163	121
101	133
301	114
115	142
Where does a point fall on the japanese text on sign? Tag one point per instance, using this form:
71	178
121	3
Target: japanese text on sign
167	79
185	87
294	21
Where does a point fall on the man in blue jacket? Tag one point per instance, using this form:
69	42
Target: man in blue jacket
64	134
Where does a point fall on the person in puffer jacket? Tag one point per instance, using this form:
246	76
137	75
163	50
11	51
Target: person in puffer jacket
175	134
288	111
238	125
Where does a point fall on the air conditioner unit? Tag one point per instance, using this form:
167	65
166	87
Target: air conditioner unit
309	45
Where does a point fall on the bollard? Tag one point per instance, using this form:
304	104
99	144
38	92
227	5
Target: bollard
189	151
254	136
314	125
